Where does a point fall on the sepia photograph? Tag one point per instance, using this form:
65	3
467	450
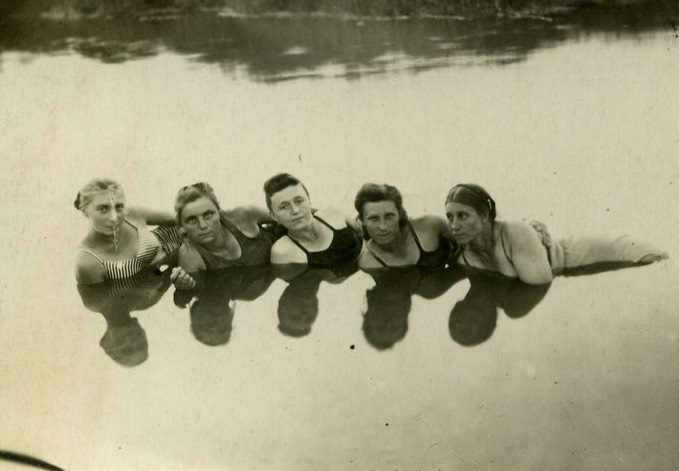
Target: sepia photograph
306	235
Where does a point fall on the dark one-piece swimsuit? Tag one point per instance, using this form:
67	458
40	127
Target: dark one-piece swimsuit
434	259
254	250
345	247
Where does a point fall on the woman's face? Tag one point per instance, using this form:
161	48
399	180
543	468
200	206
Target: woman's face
381	221
465	223
106	211
200	220
291	208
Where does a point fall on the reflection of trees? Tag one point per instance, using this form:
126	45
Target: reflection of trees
279	48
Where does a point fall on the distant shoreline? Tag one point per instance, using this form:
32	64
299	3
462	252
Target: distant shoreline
160	10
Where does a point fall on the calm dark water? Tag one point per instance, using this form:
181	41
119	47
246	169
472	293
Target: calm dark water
572	122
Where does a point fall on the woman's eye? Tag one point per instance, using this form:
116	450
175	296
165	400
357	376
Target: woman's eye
208	216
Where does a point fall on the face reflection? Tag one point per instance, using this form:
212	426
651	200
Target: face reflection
106	211
381	221
291	207
200	220
465	223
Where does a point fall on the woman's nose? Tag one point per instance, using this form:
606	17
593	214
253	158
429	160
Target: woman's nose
201	223
294	209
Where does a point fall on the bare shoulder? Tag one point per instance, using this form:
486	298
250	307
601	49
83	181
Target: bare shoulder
520	232
88	269
247	218
522	238
366	260
285	251
429	221
334	217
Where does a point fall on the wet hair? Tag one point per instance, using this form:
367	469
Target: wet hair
191	193
374	193
475	196
91	188
211	322
385	320
126	344
280	182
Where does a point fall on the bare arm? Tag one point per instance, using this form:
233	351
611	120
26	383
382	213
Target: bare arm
190	260
528	254
191	264
151	217
89	270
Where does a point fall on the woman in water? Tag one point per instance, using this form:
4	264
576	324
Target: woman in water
215	238
325	238
119	244
393	239
515	249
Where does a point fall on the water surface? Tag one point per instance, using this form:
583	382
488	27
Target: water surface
575	126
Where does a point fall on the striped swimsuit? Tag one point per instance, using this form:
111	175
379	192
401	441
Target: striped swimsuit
150	242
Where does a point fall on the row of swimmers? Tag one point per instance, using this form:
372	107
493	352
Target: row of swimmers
384	318
201	236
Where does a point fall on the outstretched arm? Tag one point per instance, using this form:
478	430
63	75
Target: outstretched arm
151	217
528	254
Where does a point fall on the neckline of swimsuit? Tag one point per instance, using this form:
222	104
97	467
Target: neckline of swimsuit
308	252
417	242
134	257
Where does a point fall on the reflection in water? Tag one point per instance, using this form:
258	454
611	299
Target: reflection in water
388	303
472	320
273	49
213	304
125	339
298	304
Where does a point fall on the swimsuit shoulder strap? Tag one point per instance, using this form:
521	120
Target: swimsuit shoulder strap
412	231
299	245
92	253
504	248
463	257
324	222
377	257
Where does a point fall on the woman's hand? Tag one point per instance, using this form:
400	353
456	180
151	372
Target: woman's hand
181	279
543	232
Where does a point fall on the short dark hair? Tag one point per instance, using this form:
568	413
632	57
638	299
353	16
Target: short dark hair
280	182
475	196
374	193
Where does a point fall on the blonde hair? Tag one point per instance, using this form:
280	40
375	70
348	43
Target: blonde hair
191	193
91	188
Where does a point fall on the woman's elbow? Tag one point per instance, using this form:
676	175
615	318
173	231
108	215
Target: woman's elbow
537	278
